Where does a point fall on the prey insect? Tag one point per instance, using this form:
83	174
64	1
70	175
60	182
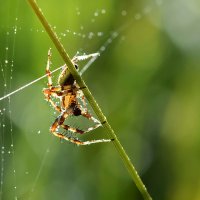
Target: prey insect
69	94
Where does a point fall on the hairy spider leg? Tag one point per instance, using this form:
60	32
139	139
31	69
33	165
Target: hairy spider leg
85	112
51	92
61	119
90	117
78	142
82	97
56	92
48	72
76	58
59	122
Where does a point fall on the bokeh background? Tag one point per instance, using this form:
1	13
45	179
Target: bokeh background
146	81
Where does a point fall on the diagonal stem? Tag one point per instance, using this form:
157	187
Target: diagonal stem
126	160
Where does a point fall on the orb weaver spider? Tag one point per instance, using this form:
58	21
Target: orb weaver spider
68	92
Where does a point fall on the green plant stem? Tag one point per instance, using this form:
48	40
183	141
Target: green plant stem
91	100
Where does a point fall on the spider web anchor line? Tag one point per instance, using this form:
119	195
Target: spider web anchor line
28	84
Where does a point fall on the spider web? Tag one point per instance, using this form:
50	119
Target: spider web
20	176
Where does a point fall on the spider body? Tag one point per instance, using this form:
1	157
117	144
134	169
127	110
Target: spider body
68	92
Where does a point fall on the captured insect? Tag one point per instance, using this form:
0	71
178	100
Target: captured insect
68	92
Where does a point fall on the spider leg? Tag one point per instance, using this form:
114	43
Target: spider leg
74	130
90	117
48	93
86	114
56	92
93	141
82	97
55	106
84	110
51	91
75	59
59	122
78	142
48	72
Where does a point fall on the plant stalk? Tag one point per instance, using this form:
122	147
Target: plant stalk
126	160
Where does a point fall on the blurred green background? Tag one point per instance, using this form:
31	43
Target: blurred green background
146	81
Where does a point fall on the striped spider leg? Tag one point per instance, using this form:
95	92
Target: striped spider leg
68	93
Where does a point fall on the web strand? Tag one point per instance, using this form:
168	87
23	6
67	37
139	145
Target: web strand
28	84
39	171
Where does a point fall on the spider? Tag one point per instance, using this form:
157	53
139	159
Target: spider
68	92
